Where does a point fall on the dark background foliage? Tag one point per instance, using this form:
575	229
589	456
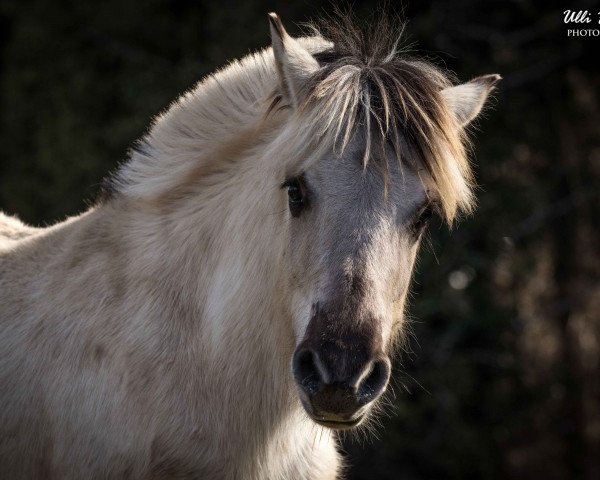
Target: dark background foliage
501	380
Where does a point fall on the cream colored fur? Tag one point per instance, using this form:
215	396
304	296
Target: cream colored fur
150	336
126	347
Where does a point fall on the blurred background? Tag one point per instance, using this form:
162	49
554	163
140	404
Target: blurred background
502	377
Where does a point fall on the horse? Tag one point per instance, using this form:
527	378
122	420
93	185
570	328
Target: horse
233	299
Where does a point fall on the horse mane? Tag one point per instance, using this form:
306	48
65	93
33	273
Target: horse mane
364	84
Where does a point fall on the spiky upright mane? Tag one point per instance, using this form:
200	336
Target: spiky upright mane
365	83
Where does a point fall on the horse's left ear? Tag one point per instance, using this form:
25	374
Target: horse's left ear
467	100
293	62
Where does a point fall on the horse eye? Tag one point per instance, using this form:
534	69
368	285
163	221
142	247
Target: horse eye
296	195
421	222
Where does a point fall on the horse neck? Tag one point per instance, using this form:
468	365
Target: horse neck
216	252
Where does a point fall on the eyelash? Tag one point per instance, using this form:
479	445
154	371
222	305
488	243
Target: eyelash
297	195
422	219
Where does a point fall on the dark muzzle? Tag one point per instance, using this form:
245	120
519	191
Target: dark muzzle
339	378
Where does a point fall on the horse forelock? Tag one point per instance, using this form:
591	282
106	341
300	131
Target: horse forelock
364	85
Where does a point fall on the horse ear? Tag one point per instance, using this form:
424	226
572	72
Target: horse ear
466	100
293	62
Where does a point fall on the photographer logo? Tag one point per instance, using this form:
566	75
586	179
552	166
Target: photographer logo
580	18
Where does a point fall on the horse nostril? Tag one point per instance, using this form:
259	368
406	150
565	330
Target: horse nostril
375	382
306	371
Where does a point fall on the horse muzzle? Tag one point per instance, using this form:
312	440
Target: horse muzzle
337	385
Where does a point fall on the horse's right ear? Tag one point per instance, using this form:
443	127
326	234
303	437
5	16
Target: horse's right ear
293	62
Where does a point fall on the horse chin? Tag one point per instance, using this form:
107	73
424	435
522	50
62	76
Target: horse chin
339	425
334	422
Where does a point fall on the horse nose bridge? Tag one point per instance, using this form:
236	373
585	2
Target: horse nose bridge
364	237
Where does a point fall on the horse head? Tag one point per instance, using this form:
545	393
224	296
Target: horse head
372	145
